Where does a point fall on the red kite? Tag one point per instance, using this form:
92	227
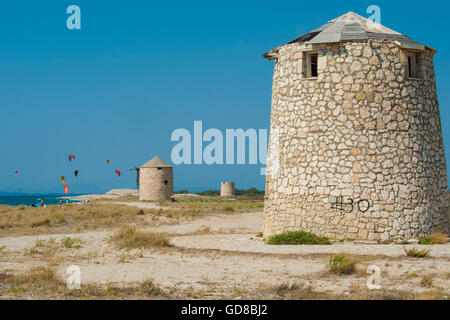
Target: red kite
17	173
107	161
66	188
118	172
71	157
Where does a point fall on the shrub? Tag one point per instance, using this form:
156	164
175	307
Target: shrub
296	237
426	240
228	208
340	264
416	253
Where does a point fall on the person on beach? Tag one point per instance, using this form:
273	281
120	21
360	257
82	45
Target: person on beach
42	203
60	202
172	197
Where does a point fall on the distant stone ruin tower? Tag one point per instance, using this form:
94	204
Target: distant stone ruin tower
356	147
227	189
156	181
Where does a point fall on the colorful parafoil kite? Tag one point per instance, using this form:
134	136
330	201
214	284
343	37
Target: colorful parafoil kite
66	188
71	157
76	173
63	179
118	172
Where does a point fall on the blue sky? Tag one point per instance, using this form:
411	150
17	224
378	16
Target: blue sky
138	70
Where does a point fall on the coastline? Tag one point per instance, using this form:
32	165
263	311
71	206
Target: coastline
112	194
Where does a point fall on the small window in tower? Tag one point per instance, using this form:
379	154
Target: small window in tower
412	65
159	168
416	65
311	64
166	182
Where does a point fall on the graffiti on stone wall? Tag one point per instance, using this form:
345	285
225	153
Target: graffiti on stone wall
349	205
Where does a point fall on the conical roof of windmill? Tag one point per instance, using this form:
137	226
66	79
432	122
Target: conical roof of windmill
351	26
156	162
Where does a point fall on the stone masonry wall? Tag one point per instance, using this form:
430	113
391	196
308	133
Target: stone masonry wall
152	186
360	150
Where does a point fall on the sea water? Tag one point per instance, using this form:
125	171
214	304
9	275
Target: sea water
28	200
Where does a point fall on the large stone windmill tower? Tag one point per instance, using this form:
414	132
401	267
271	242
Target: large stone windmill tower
356	147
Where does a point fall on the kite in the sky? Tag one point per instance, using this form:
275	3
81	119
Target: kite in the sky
66	188
76	173
63	179
71	157
16	173
108	161
118	172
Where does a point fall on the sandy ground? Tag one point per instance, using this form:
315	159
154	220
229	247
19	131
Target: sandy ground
226	260
249	243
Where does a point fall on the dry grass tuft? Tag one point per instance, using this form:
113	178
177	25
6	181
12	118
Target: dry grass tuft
417	253
438	238
427	281
130	238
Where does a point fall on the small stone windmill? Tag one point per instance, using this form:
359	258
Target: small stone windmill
356	147
155	180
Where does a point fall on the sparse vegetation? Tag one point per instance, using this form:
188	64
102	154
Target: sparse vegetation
340	264
130	238
296	238
434	238
64	219
99	215
417	253
43	282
